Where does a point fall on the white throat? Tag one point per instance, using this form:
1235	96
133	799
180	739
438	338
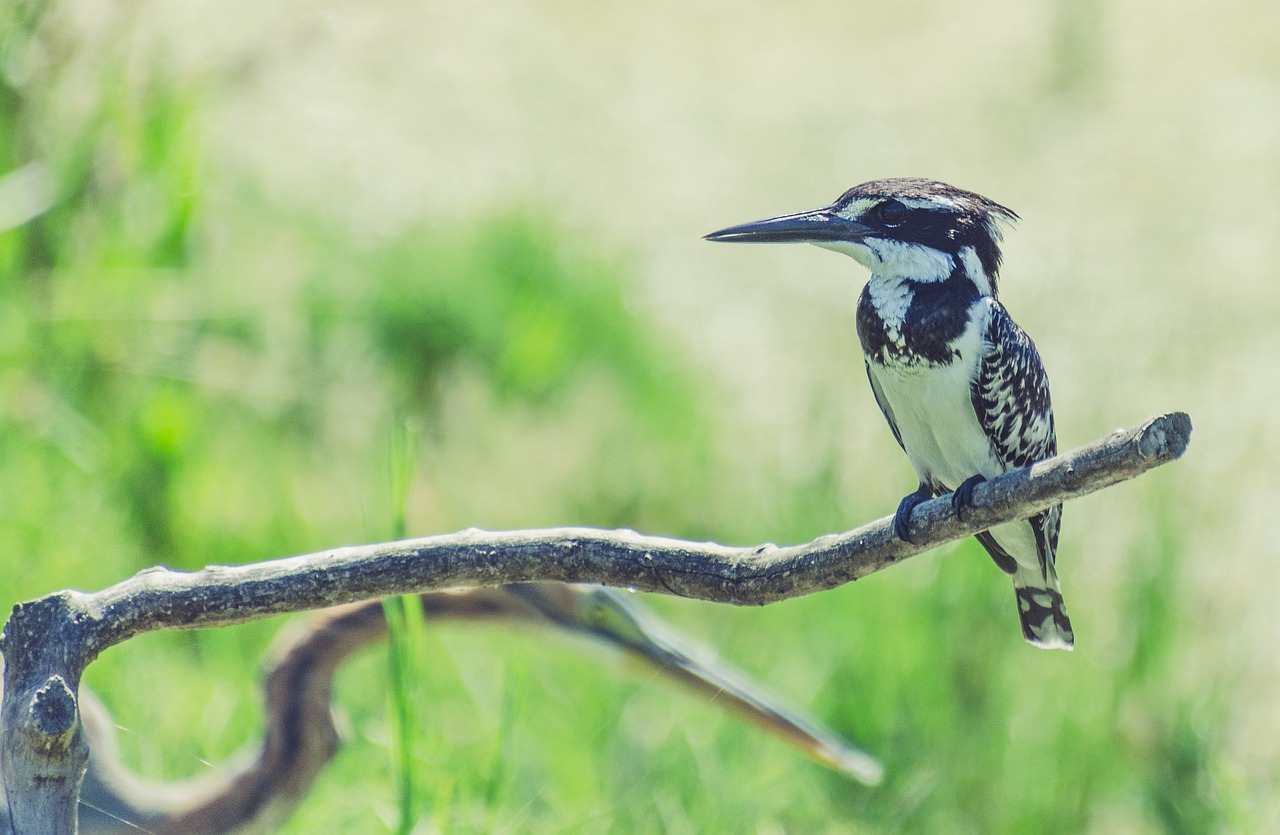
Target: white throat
895	259
891	297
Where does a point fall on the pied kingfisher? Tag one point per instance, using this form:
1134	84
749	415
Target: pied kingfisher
961	385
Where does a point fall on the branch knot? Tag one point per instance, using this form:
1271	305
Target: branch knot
53	707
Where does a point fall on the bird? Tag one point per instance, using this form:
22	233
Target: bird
961	385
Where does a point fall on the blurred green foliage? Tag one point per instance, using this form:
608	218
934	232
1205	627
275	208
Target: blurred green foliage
188	383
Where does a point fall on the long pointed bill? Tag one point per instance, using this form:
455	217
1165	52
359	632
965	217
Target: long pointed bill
819	226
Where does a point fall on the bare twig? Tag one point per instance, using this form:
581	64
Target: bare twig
258	791
49	641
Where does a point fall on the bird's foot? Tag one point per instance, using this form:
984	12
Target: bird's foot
902	519
962	498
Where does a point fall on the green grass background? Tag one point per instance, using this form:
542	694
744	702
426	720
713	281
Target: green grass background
278	277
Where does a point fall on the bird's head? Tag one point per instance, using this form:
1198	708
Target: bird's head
908	228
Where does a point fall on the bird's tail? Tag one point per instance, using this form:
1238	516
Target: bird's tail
1044	616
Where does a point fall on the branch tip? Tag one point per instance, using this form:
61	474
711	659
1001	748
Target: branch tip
1166	436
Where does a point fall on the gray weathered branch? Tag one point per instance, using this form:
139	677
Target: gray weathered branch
257	790
48	642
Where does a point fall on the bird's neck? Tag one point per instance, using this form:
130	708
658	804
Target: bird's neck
898	263
904	321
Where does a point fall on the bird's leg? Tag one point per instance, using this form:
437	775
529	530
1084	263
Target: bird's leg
962	498
902	519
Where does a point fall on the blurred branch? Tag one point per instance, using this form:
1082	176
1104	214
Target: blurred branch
259	790
49	641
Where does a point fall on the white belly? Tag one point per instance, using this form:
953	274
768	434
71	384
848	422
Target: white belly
933	409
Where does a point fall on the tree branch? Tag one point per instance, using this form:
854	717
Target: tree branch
257	790
49	641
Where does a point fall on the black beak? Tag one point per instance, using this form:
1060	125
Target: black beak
816	226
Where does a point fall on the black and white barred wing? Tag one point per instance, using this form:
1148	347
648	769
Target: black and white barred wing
1011	394
1011	400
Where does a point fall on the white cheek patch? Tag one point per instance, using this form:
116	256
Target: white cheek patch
973	267
905	260
895	259
857	250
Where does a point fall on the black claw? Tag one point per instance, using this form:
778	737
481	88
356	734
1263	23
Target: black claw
962	498
902	519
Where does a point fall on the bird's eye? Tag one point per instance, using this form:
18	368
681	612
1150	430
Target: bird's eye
892	213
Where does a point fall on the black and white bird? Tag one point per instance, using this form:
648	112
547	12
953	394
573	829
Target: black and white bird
961	385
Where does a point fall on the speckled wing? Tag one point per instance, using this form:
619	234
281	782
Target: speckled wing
1011	394
1011	399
